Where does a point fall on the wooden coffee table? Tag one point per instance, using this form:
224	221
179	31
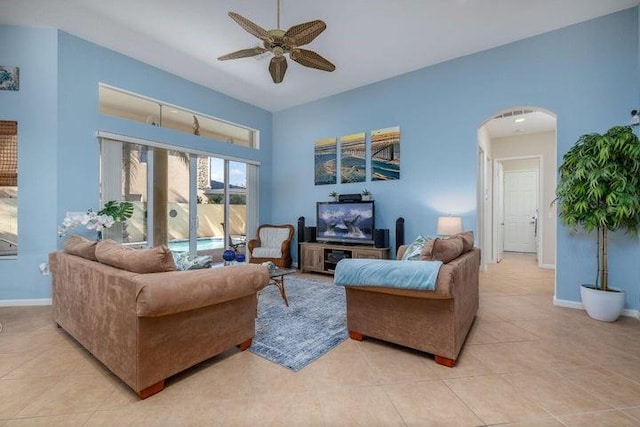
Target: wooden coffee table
277	279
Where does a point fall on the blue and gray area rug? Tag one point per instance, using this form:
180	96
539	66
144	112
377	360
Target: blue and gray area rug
313	324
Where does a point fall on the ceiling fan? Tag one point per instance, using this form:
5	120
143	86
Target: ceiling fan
280	42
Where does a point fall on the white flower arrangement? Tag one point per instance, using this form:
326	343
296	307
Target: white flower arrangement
89	219
111	213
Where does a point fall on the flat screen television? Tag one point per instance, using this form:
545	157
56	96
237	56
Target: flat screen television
345	222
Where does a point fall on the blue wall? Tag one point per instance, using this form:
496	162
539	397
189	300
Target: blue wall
34	107
587	74
57	110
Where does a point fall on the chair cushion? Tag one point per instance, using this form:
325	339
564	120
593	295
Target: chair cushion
273	237
262	252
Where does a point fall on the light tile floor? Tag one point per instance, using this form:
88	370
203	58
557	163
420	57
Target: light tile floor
525	362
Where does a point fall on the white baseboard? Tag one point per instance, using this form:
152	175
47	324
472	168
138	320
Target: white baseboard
578	305
548	266
24	302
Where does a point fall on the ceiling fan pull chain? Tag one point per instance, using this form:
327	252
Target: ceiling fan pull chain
278	14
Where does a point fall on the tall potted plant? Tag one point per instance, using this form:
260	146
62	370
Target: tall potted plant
599	189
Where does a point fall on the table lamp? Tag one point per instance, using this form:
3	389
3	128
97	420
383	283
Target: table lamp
448	225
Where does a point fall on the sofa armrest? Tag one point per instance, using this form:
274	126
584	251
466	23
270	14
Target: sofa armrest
159	294
401	250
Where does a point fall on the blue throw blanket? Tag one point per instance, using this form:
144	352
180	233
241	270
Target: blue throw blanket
421	275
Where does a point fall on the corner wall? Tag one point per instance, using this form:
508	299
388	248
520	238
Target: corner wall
584	73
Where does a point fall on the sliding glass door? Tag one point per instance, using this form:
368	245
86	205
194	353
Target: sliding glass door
190	201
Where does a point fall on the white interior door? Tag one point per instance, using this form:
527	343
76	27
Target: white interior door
500	210
520	210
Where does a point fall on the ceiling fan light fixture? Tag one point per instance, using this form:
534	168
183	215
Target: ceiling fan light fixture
280	42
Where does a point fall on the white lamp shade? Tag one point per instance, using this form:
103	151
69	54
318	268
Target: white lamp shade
448	225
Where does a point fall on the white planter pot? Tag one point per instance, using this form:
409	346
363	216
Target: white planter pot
606	306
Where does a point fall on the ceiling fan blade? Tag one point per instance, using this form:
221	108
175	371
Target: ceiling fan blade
244	53
309	58
277	68
302	34
250	27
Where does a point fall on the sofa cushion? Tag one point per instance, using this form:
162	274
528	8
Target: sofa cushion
426	254
467	240
184	261
153	260
181	291
444	250
412	252
79	246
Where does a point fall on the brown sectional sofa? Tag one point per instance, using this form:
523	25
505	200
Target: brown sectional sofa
435	322
146	327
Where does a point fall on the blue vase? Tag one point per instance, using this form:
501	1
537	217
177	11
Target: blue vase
240	257
228	255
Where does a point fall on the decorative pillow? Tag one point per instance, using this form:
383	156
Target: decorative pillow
426	254
413	250
445	250
79	246
467	240
183	261
153	260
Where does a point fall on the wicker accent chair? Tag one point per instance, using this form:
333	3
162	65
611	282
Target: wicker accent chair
273	243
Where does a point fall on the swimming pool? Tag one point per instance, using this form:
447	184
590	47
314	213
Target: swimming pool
203	243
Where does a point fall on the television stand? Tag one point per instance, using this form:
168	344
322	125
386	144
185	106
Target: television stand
323	257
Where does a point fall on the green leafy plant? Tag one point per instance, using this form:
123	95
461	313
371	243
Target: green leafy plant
119	211
333	194
366	192
599	188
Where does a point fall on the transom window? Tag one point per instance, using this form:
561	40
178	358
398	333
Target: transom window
126	105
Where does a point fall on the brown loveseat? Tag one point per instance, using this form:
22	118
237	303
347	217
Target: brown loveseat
435	322
150	323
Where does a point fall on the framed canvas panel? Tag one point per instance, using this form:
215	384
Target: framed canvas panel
353	161
9	78
325	161
385	154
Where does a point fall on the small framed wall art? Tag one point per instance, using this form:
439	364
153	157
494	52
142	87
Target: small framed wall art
353	160
385	154
9	78
325	161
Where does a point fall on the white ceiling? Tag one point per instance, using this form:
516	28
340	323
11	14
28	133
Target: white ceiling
367	40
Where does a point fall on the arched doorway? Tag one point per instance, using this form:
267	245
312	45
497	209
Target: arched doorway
517	165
